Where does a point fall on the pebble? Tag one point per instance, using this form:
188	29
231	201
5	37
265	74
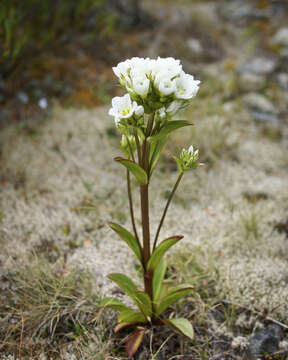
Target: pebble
283	80
260	65
23	97
195	46
265	117
251	82
264	342
259	103
281	37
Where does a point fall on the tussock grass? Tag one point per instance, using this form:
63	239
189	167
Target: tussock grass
49	309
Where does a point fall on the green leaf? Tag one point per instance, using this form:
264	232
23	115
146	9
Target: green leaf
135	169
172	298
128	238
114	304
160	251
158	278
143	301
155	152
174	289
182	326
123	282
168	128
134	341
131	316
140	298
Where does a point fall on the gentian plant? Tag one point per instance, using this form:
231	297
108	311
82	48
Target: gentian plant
157	89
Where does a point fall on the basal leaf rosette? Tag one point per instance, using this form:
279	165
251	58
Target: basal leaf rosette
158	85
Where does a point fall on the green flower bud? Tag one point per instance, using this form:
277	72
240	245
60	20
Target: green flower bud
127	144
188	159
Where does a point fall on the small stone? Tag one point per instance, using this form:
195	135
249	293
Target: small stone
23	97
281	37
265	117
260	65
283	80
264	342
251	82
195	46
42	103
259	102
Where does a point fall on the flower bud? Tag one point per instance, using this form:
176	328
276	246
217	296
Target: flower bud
128	144
188	159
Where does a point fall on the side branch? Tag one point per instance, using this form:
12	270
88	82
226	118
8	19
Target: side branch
166	208
131	208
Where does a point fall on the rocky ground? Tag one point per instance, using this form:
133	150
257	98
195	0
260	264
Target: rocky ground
60	187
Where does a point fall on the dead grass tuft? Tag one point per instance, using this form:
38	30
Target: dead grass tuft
48	309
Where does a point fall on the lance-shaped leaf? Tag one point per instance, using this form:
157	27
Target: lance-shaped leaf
123	282
134	341
182	326
128	238
131	316
114	304
157	281
168	128
140	299
143	301
160	251
155	152
171	298
135	169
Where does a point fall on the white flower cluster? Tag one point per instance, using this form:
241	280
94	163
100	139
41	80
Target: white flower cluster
152	85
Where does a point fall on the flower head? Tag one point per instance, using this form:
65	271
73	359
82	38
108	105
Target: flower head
186	86
152	84
124	108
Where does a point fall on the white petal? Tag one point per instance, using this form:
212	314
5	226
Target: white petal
139	111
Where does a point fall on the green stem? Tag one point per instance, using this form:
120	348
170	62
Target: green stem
138	147
146	144
130	148
144	195
166	208
131	208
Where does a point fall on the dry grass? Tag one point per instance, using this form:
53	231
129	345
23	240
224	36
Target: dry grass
47	309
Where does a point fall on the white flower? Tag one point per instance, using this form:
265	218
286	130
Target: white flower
122	69
168	65
124	108
186	86
162	112
165	84
192	152
141	85
139	66
174	107
42	103
139	110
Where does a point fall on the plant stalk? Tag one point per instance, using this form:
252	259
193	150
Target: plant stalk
166	208
144	195
131	208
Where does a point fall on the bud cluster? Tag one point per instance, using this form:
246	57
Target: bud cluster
188	159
